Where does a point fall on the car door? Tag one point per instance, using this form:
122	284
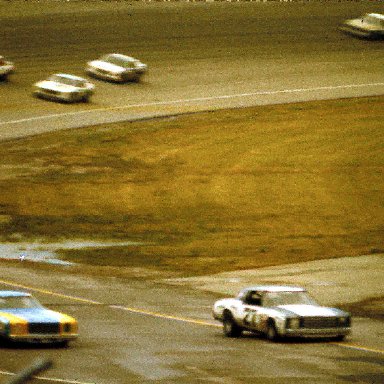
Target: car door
251	307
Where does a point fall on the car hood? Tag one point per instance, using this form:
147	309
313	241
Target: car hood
7	65
358	23
32	315
106	66
309	310
47	84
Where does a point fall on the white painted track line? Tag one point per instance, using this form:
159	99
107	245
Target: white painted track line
192	100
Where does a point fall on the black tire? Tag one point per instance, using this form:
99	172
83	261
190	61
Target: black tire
62	344
126	77
230	328
271	333
339	338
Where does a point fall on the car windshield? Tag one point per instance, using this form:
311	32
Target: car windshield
15	302
67	80
125	62
274	299
374	20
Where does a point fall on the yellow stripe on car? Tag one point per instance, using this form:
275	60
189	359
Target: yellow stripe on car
17	325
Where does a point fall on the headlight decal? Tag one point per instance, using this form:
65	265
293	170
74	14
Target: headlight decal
4	327
16	324
19	328
67	324
293	323
345	321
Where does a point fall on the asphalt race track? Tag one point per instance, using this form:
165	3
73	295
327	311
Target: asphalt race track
146	332
200	56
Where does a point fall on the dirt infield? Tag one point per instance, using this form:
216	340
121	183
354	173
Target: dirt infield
205	193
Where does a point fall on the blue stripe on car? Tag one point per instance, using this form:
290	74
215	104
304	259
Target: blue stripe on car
33	315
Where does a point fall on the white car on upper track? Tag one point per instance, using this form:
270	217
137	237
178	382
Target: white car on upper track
370	26
116	67
65	88
6	68
280	312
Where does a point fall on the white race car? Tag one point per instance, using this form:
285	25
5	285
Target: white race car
370	26
6	68
65	88
279	312
116	67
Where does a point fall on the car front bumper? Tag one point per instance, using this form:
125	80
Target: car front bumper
361	32
105	75
116	77
317	333
67	97
6	70
43	339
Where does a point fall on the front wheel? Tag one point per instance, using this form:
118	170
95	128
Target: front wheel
230	328
85	98
339	338
272	334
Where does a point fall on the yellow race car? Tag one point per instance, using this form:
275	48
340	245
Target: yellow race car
24	319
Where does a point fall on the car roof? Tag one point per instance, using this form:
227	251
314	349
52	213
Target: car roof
120	56
274	288
14	294
376	15
73	77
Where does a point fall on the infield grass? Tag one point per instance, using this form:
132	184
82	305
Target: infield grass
206	192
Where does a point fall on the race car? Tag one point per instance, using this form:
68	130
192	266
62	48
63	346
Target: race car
65	88
280	312
116	67
6	68
24	319
370	26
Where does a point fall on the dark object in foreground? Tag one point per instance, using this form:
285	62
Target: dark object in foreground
28	373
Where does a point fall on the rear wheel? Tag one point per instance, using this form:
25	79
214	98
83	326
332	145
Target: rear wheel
230	328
